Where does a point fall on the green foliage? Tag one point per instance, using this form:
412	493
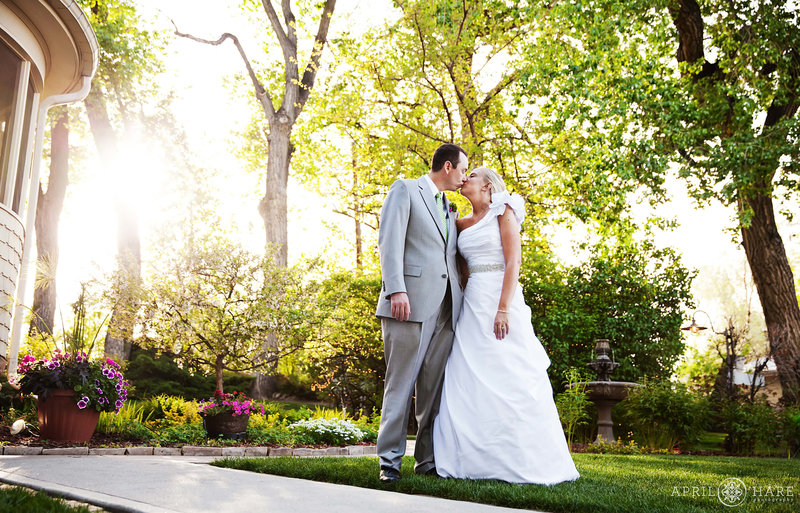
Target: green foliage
664	414
748	425
790	429
345	355
699	369
287	412
119	422
632	294
84	335
573	404
166	410
614	447
153	374
129	54
180	434
129	424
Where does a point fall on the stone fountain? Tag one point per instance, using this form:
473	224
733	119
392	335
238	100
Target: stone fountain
605	393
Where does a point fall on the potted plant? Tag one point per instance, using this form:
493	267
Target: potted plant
226	415
72	388
71	392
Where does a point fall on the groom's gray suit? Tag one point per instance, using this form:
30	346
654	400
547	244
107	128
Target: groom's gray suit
416	258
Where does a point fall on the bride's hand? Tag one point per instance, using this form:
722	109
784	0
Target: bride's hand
501	325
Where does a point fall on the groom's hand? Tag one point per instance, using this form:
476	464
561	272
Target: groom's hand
401	308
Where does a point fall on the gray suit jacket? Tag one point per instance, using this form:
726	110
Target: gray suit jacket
415	258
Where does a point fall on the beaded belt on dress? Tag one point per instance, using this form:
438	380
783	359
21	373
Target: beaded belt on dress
485	268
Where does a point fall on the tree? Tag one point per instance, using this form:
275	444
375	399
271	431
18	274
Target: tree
215	305
48	212
280	121
633	295
722	109
344	355
442	72
127	57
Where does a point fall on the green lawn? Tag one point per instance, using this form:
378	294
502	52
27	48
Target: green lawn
22	500
608	483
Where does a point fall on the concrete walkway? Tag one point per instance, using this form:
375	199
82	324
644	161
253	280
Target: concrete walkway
160	484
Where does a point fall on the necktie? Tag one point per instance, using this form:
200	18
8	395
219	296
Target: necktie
442	213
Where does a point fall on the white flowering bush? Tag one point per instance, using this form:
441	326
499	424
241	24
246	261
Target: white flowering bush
327	431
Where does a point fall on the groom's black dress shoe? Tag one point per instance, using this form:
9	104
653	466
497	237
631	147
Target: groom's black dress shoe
389	475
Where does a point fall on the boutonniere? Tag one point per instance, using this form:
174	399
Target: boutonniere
453	208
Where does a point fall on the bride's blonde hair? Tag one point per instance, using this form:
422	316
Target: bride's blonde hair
490	176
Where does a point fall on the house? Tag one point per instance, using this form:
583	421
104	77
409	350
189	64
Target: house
767	381
48	56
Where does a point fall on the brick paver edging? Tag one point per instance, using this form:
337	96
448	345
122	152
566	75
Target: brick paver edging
191	450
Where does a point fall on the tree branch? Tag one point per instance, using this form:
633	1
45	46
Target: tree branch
428	80
291	22
310	73
289	50
261	93
508	80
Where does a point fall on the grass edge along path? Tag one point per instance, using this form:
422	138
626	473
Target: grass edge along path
21	499
608	483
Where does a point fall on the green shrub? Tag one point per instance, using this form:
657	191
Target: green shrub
664	414
277	435
287	412
747	425
573	404
153	374
129	422
165	410
790	429
631	293
344	357
618	447
192	434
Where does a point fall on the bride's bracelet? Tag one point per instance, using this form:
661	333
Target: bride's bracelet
502	311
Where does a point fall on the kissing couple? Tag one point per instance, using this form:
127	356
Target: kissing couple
457	334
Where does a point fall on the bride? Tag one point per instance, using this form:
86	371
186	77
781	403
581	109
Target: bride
497	418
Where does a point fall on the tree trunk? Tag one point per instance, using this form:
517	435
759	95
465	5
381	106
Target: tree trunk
357	218
273	205
48	212
774	282
120	328
218	372
266	384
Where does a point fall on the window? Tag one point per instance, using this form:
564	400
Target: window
10	67
25	151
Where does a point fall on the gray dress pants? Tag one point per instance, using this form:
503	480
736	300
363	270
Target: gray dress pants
416	354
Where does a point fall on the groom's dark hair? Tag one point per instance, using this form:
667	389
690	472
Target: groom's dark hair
446	153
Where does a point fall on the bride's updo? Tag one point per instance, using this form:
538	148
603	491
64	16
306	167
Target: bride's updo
491	176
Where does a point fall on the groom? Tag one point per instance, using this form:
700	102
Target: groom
419	304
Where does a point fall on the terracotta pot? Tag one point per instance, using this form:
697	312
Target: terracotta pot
226	425
61	420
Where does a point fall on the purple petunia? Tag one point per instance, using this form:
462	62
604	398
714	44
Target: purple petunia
83	403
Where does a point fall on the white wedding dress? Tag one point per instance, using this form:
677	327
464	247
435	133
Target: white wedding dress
497	418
